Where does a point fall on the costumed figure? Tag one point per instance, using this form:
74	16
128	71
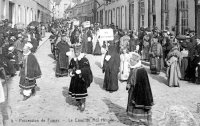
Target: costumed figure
89	41
97	50
30	71
174	62
140	98
111	68
81	77
124	65
124	42
156	54
62	48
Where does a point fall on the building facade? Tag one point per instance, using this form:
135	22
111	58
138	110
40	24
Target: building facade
164	14
114	11
197	19
25	11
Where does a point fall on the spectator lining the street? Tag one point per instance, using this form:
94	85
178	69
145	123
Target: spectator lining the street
174	62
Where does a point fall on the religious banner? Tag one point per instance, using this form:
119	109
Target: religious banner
86	24
106	34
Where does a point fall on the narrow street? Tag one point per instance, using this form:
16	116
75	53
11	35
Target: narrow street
51	106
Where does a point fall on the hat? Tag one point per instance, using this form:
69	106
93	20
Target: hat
77	47
32	27
29	45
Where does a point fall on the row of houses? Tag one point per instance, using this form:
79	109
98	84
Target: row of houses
177	15
25	11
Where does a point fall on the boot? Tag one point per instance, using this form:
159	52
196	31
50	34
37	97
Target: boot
25	98
82	107
33	92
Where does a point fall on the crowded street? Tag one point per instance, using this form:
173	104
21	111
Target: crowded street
100	63
55	107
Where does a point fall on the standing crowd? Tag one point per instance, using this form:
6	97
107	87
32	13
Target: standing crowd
121	60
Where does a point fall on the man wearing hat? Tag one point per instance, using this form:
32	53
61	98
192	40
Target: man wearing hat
62	48
81	77
30	71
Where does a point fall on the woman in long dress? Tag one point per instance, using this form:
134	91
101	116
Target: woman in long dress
174	63
124	65
111	68
140	98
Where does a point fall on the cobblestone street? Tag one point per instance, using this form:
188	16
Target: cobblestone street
51	106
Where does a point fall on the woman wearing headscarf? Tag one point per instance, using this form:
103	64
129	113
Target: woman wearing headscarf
174	62
111	68
140	98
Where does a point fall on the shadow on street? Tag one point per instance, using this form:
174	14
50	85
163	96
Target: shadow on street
99	81
119	111
68	99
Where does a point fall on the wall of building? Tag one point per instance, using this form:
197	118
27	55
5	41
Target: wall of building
116	12
24	11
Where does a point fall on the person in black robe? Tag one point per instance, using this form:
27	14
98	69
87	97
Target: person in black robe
140	98
111	68
30	71
63	60
97	50
81	77
89	41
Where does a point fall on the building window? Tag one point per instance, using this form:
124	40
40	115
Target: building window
106	18
142	20
142	7
183	11
153	6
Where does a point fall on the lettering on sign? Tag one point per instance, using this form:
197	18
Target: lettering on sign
106	34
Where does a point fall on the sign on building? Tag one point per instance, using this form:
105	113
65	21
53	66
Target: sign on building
86	24
106	34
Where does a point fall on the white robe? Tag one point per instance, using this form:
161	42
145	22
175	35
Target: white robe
124	66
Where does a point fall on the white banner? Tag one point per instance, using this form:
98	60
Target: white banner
106	34
76	23
86	24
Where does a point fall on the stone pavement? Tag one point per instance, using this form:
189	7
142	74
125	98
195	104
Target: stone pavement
53	107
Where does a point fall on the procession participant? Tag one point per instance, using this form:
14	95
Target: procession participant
43	31
156	54
133	41
174	62
2	76
89	41
81	77
63	60
124	64
84	42
32	39
146	46
124	42
140	98
97	50
30	71
111	68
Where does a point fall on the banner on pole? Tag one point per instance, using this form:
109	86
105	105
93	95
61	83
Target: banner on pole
106	34
86	24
